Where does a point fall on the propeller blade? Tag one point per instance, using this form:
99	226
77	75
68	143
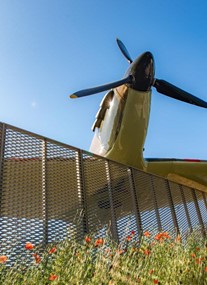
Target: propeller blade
98	89
172	91
124	50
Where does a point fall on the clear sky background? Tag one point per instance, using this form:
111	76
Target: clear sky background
51	48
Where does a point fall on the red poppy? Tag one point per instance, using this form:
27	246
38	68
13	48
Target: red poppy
87	239
166	235
155	281
29	246
52	250
146	252
178	238
99	241
147	234
161	236
37	258
3	258
53	277
128	238
158	236
121	251
132	232
199	260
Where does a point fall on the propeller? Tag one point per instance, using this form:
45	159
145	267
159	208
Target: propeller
124	50
101	88
140	76
174	92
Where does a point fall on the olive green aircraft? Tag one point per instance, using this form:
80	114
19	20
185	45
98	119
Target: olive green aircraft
122	120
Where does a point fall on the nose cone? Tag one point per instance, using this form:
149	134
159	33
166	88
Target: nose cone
142	70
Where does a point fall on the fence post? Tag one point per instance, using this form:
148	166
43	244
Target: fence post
155	204
172	207
205	202
114	230
134	199
198	212
204	199
2	149
44	189
186	209
82	190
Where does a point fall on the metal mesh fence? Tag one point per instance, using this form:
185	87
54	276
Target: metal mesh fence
50	191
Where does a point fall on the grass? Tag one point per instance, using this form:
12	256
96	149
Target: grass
151	259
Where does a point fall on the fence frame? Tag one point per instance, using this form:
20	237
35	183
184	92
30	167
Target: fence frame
120	191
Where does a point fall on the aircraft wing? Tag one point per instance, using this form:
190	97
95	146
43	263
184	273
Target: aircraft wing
189	172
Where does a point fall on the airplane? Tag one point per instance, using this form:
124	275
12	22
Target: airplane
122	121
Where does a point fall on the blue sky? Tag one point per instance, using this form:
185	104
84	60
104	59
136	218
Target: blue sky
49	49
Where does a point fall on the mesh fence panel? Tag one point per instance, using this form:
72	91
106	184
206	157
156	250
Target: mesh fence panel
162	191
122	199
147	201
50	191
203	208
180	207
22	216
97	203
62	201
191	207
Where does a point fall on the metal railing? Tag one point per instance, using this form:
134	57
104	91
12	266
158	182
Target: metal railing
50	191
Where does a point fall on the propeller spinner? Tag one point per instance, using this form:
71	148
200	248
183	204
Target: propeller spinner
140	76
